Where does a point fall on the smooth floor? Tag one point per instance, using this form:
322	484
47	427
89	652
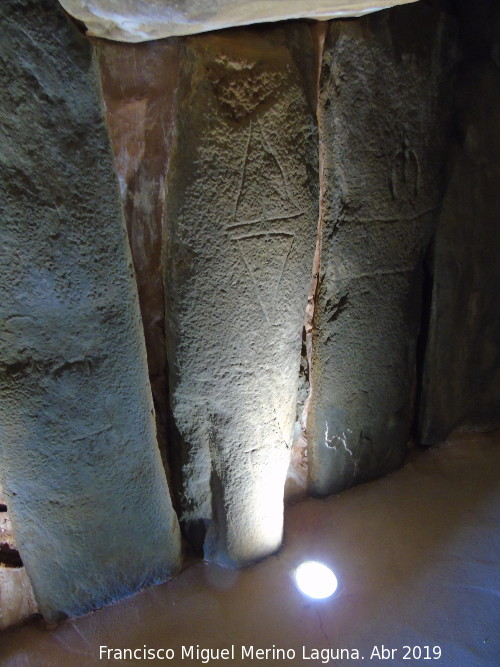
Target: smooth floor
417	556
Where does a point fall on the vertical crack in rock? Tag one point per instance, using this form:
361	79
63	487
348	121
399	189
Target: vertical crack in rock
79	458
384	122
239	238
297	476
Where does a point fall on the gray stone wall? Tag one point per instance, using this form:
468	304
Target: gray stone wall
79	463
461	382
228	146
384	124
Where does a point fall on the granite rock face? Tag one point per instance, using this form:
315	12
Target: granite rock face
138	83
78	459
461	384
240	227
133	21
384	108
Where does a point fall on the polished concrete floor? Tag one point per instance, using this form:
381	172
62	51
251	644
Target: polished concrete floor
417	555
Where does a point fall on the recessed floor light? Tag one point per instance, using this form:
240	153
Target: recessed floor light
315	580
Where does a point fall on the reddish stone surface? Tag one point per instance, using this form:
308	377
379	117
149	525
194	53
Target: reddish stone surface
138	83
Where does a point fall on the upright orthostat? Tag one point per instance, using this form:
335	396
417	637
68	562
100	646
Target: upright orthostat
80	466
138	83
241	217
384	131
461	380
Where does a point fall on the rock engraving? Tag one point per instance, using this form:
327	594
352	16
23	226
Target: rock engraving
239	242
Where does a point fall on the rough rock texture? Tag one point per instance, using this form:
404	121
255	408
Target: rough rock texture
461	384
17	601
78	460
240	231
133	21
383	124
138	83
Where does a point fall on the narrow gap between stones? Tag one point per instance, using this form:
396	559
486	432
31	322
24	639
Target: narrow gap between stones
9	555
298	470
423	335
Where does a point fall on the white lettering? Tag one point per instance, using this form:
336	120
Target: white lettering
383	653
247	652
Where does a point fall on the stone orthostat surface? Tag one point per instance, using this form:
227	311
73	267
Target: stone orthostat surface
79	464
461	384
383	123
142	20
138	83
239	237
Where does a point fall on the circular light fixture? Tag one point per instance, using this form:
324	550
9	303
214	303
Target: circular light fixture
315	580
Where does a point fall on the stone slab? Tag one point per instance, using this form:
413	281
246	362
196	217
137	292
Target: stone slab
17	601
79	464
240	226
461	384
138	83
384	110
132	21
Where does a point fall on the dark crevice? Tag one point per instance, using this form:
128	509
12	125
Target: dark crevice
423	334
336	308
299	451
9	557
3	508
193	532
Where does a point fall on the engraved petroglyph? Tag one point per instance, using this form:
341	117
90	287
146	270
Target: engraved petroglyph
273	218
405	172
266	269
266	264
263	192
242	206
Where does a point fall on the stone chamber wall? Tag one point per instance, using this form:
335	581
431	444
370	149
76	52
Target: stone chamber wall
237	266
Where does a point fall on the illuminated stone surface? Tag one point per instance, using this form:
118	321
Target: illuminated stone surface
17	601
240	225
78	460
384	102
133	21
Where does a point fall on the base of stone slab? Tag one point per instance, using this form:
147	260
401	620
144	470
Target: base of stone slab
17	600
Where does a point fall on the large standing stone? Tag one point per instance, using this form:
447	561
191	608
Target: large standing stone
383	125
80	467
138	83
241	217
461	385
133	21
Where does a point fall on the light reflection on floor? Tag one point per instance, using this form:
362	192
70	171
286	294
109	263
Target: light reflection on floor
417	555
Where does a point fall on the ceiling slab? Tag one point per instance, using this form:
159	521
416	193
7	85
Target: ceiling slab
144	20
